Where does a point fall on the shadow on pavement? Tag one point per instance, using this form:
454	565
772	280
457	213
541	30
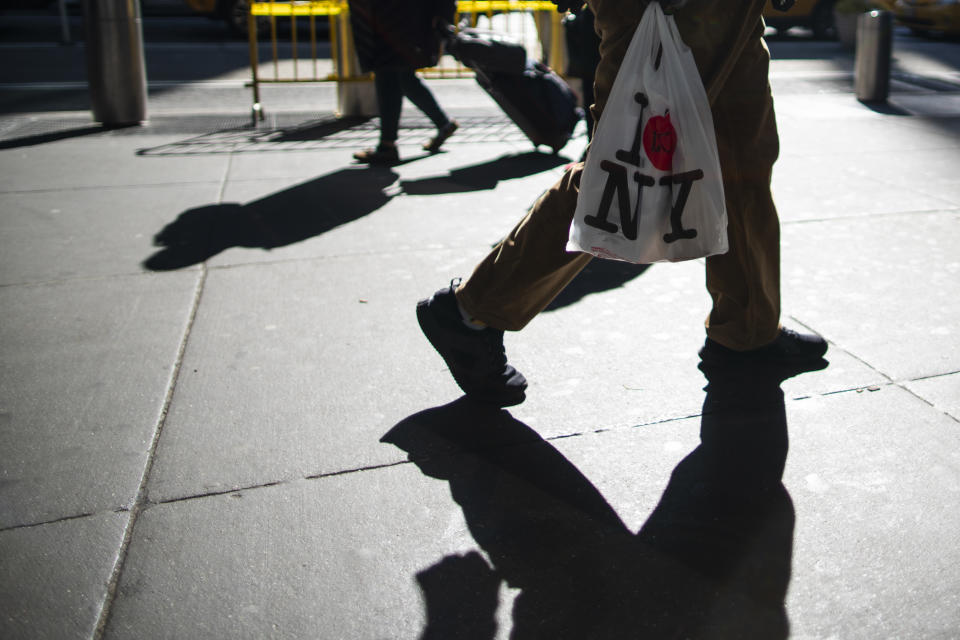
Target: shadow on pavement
319	129
713	560
53	136
596	277
280	219
485	175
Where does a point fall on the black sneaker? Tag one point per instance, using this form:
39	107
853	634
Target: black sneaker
476	358
789	348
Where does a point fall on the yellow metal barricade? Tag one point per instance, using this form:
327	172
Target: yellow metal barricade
342	66
333	10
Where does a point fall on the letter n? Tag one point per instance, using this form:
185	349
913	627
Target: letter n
630	224
616	184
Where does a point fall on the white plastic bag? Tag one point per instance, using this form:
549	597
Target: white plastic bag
652	189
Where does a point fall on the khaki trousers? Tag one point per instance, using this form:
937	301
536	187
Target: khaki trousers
520	277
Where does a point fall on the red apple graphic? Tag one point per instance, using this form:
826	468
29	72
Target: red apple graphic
660	141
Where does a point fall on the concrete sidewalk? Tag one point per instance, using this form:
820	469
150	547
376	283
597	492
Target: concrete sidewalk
213	440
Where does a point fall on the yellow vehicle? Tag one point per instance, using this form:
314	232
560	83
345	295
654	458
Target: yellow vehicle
816	15
929	16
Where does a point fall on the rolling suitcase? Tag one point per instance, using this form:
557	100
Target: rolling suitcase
486	50
531	94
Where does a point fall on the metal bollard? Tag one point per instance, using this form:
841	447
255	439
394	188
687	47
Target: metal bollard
64	22
116	73
872	61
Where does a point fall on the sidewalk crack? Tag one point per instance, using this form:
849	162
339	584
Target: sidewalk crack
74	516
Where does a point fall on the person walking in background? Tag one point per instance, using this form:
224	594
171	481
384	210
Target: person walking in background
583	56
393	39
524	272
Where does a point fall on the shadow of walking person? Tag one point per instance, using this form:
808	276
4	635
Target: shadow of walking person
543	525
484	176
598	276
726	515
279	219
712	560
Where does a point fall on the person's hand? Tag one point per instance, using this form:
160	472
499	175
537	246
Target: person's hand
567	5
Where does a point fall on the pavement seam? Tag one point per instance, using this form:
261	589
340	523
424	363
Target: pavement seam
934	376
924	400
890	382
100	187
398	463
78	279
76	516
225	178
387	465
554	438
867	216
338	256
275	483
140	499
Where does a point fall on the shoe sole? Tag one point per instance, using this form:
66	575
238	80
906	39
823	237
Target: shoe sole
730	357
429	327
738	360
780	369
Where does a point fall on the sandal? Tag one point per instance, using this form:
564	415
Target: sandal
433	145
383	154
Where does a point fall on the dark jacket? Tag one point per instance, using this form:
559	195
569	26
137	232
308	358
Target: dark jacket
583	44
398	34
